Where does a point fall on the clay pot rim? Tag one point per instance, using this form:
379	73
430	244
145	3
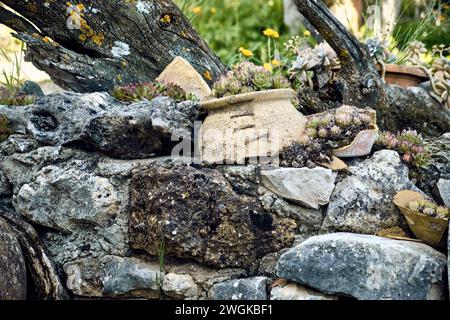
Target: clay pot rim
231	101
374	129
400	198
402	69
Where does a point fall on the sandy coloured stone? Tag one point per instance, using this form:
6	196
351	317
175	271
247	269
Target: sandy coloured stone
181	73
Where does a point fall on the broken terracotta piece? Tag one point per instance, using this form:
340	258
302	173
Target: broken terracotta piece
426	228
181	73
249	126
363	142
336	164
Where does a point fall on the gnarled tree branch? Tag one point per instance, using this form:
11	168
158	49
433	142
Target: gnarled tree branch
132	41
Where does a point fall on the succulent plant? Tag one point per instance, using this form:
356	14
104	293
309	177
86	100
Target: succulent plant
246	77
430	209
409	144
149	91
339	127
15	99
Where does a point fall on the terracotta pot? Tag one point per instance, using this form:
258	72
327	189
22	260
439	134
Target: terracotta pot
252	125
404	76
426	228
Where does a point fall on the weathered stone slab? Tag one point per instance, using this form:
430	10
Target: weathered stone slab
367	267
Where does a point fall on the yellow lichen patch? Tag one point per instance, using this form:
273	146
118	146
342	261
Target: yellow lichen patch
166	19
207	75
77	21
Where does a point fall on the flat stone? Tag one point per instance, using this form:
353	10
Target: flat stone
293	291
309	187
366	267
240	289
181	73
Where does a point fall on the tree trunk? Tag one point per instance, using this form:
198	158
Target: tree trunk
358	80
107	43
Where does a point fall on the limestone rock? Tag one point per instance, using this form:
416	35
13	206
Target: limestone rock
178	286
310	187
13	274
64	198
241	289
113	276
97	121
181	73
363	201
439	165
443	187
205	277
366	267
199	216
292	291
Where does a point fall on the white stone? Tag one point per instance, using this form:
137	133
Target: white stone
309	187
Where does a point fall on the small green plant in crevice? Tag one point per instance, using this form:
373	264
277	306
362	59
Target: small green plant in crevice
247	77
409	144
11	84
149	91
5	130
430	209
161	260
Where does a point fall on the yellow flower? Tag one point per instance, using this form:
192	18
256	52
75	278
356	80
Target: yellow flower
268	67
213	10
245	52
197	10
271	33
307	33
276	63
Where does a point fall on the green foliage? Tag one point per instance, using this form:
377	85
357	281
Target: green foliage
246	77
338	129
10	86
149	91
229	25
408	143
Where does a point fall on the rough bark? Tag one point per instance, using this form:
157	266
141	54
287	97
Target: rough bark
84	60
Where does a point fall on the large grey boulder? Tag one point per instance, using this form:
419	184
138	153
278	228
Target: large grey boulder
366	267
98	121
113	276
241	289
13	274
363	201
309	187
199	216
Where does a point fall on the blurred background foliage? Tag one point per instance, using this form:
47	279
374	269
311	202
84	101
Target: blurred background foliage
228	25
